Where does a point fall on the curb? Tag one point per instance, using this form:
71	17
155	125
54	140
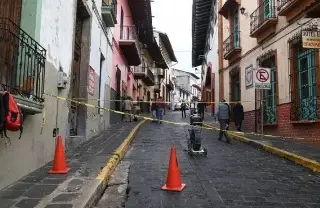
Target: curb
91	194
303	161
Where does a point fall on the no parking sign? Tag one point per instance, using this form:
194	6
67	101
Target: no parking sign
262	78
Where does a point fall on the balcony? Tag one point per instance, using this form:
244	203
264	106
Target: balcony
129	46
144	73
284	6
232	46
160	73
109	12
263	20
22	63
170	85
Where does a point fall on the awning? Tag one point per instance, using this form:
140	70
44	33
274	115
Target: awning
201	12
228	5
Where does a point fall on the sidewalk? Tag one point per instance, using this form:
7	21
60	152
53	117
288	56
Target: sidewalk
86	161
292	149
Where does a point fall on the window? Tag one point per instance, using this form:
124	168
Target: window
235	86
270	96
101	91
236	34
303	82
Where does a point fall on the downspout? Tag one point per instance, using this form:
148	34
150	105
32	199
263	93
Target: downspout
220	52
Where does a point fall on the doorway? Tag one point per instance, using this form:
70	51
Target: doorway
9	47
79	74
118	89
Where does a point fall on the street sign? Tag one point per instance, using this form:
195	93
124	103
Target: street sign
310	39
262	78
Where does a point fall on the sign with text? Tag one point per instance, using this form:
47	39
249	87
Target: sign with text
262	78
310	39
91	80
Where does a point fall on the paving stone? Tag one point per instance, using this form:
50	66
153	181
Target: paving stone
74	185
53	180
65	197
27	203
40	191
59	206
6	203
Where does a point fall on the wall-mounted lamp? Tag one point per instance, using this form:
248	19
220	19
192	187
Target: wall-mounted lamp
242	10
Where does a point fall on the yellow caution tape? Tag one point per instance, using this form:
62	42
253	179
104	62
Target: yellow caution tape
204	126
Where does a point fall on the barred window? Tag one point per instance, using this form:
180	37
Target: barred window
303	82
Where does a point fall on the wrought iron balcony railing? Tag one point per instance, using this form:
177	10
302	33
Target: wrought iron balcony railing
128	33
113	4
22	62
150	74
283	3
231	43
266	11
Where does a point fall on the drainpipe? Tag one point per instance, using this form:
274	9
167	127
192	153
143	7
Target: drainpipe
220	53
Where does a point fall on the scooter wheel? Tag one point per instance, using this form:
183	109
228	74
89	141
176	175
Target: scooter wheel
205	152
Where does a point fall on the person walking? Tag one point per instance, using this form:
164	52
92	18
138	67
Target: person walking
238	115
128	106
160	109
201	106
223	114
183	109
153	109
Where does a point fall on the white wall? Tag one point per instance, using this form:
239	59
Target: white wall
56	33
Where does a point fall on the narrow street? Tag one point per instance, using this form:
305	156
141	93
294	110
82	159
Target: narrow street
235	175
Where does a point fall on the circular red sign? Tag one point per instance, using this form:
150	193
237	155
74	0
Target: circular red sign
262	75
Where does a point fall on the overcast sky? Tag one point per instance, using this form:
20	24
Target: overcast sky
174	18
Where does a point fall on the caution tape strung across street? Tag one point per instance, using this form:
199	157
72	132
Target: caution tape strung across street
144	101
205	126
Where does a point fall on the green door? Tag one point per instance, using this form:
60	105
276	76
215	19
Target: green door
267	9
236	34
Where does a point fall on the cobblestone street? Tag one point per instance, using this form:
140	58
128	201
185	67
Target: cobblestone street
235	175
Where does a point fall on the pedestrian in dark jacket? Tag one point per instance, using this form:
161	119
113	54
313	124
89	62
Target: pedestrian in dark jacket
238	115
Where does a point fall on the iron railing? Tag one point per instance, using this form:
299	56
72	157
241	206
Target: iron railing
127	33
113	4
22	62
231	43
283	3
266	11
139	69
150	74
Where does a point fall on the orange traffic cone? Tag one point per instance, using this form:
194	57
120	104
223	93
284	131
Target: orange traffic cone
173	179
59	163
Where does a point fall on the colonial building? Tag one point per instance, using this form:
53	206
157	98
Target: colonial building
81	50
185	83
165	86
267	34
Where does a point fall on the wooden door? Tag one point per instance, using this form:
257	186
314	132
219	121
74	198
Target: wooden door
75	84
10	16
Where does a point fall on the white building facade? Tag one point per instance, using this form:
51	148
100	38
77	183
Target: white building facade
68	38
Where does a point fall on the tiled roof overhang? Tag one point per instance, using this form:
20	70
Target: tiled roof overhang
201	12
313	10
142	18
227	6
165	39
